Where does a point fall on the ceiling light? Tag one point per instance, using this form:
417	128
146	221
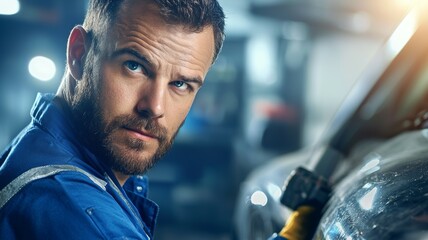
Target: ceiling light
9	7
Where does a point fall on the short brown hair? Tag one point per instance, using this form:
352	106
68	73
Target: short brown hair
194	14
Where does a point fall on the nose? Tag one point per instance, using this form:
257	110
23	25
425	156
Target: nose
152	102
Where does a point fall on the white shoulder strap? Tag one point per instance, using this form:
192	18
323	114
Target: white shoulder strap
38	173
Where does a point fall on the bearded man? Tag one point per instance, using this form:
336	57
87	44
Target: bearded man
133	70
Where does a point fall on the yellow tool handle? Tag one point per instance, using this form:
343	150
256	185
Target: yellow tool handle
300	225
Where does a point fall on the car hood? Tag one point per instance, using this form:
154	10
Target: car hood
386	197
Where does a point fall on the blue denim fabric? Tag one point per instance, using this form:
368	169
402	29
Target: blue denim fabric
69	204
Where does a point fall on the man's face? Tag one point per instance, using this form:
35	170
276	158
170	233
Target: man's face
137	90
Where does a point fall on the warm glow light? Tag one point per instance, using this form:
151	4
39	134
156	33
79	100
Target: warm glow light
9	7
403	33
259	198
405	3
42	68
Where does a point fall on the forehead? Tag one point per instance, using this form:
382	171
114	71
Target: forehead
138	23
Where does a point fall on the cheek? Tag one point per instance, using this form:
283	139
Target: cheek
115	98
177	113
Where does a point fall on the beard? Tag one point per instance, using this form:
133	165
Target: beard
99	135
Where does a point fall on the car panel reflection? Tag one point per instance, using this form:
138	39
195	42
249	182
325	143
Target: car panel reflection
386	200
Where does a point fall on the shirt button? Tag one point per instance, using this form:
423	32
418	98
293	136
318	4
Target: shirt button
90	211
140	177
139	188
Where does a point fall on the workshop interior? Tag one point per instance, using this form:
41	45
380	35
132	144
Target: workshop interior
310	103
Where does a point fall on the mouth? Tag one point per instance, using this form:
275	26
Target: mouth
141	134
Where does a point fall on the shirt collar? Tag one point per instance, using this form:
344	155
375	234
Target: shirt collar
53	118
57	122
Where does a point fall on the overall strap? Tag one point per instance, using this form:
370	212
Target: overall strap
39	173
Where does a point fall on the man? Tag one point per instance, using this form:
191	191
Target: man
133	70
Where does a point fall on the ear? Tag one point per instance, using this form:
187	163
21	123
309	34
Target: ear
76	51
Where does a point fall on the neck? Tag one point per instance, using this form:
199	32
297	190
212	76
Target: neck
121	178
66	89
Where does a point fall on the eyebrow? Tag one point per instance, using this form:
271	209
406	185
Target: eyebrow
144	59
196	80
134	53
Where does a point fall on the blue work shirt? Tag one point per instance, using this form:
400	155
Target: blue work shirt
53	187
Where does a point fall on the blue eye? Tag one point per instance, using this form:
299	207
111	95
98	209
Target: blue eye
134	66
179	84
182	86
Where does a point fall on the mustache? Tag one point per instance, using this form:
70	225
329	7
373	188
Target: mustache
140	123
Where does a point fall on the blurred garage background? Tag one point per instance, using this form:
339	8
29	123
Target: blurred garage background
284	69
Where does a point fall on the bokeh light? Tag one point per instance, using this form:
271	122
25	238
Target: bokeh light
9	7
42	68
